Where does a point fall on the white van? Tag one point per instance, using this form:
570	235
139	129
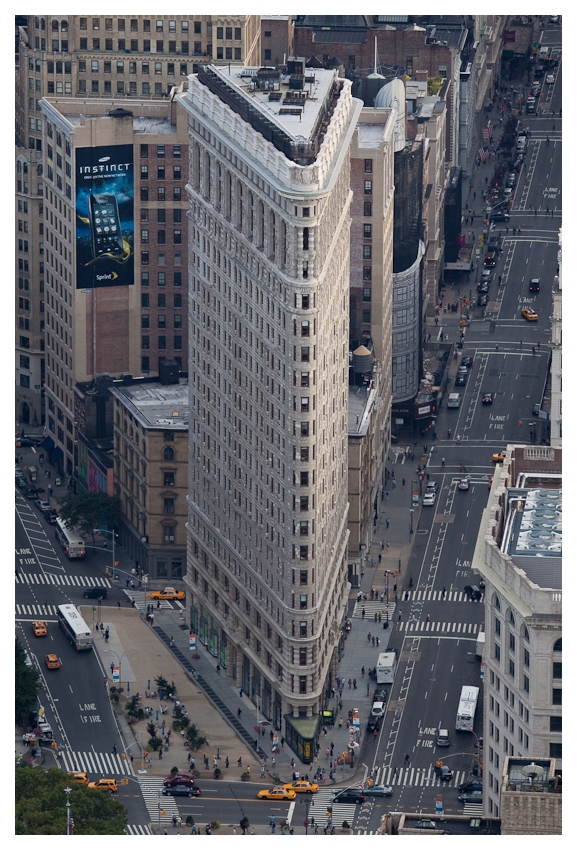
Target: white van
454	400
378	709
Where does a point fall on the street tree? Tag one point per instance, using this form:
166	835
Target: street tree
27	683
89	511
41	806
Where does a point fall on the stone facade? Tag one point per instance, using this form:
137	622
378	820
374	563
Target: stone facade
268	373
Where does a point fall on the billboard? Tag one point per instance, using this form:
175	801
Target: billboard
104	216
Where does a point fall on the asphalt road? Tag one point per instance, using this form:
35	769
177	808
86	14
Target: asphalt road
438	657
74	696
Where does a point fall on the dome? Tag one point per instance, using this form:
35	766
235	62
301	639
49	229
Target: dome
392	96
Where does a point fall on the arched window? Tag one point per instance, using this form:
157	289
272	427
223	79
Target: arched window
558	645
511	619
168	453
525	634
497	604
54	26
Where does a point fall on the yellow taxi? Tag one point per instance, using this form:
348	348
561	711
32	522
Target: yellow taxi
52	661
276	794
104	785
78	776
498	457
529	314
168	593
39	628
302	787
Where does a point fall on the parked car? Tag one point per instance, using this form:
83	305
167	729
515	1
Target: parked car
42	505
50	515
490	260
380	694
429	499
467	361
483	286
550	79
482	300
460	380
27	441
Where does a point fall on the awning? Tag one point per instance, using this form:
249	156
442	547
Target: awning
47	443
57	454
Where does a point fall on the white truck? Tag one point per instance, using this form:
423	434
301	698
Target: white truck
480	645
386	668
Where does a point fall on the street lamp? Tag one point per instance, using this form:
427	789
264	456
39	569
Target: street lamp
67	792
132	648
411	517
386	623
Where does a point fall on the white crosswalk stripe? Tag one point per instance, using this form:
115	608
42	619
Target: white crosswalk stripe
421	777
473	810
138	829
49	578
371	608
96	764
341	811
151	790
41	611
140	600
443	627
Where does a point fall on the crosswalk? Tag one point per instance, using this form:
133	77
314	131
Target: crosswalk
375	606
441	627
96	764
41	611
416	777
341	811
138	829
473	810
151	790
61	580
140	600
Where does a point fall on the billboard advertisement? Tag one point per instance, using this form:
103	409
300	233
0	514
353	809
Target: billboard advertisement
104	216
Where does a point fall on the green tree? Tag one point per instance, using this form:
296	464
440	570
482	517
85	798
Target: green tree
194	737
89	511
27	682
41	806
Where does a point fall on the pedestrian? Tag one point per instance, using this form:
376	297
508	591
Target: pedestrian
114	749
248	769
403	482
428	618
240	692
355	682
226	762
442	461
350	684
238	712
214	762
388	522
234	830
368	689
239	762
407	760
363	613
395	771
119	604
262	771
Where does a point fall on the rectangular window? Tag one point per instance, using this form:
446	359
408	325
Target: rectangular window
366	293
555	724
557	668
367	252
169	479
168	506
368	187
367	208
368	166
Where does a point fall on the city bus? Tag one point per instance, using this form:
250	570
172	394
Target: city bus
74	627
467	708
70	540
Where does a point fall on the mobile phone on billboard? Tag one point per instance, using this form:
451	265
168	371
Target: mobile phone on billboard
105	226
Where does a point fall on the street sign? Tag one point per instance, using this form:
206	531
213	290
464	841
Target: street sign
192	642
116	674
482	673
438	805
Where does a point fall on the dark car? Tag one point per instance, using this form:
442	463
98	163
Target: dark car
483	300
490	260
467	361
444	773
181	791
373	723
51	516
461	381
28	441
535	284
380	694
487	398
471	785
95	593
349	795
178	779
483	286
499	216
471	797
473	591
32	492
511	179
22	482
